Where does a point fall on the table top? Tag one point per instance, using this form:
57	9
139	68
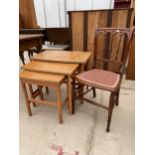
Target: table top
29	36
76	57
48	67
41	77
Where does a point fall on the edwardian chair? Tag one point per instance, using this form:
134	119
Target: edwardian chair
111	50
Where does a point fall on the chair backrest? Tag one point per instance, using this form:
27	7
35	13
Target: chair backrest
111	48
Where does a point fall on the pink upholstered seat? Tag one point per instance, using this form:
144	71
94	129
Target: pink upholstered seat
100	78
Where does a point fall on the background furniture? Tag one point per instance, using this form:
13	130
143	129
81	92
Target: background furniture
28	41
48	80
55	35
27	13
122	3
58	37
130	73
108	66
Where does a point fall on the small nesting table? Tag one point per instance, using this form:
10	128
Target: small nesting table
41	79
55	68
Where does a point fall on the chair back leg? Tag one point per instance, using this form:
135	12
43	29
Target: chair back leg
110	110
117	97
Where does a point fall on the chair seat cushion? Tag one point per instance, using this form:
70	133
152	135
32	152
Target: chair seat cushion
100	78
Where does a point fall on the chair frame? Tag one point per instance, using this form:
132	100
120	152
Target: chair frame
114	95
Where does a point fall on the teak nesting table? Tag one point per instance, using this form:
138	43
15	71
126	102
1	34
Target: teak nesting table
61	63
43	80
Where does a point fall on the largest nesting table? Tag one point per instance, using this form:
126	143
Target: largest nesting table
60	62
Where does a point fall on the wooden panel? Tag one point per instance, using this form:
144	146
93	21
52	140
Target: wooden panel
83	29
20	22
119	19
95	20
110	18
27	13
131	64
77	28
101	42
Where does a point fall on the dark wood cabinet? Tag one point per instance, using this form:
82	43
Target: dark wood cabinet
122	3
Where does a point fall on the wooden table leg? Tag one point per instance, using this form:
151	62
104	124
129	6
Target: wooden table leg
47	90
26	98
31	93
40	93
69	81
59	105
